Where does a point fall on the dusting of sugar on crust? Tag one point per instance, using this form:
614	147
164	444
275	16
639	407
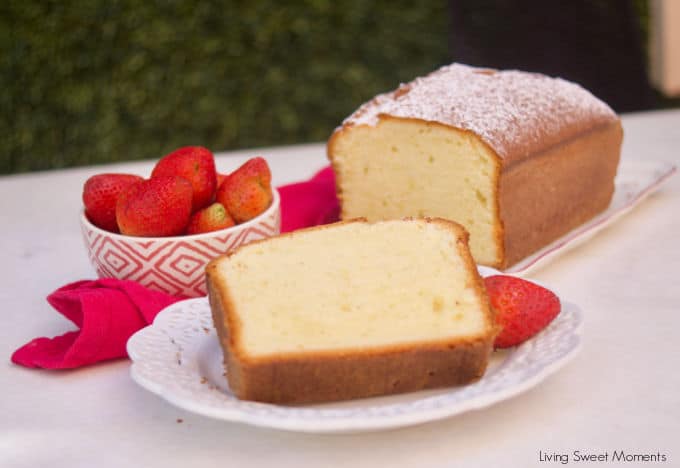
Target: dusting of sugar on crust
516	113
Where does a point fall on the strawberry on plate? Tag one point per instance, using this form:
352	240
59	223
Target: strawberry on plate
210	218
522	308
247	191
197	165
156	207
100	194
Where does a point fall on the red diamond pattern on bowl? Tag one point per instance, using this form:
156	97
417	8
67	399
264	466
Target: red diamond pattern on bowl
173	265
183	263
152	280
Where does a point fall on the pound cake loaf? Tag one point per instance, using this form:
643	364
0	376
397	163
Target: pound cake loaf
518	158
351	310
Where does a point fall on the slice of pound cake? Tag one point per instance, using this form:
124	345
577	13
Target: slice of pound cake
351	310
518	158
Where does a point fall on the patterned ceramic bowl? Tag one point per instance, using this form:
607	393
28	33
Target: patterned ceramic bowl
172	264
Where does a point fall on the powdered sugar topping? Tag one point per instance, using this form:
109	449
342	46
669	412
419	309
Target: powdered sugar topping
514	112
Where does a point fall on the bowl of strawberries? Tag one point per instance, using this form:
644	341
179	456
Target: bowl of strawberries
163	230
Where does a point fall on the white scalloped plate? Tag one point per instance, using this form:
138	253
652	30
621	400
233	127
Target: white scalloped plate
635	180
179	358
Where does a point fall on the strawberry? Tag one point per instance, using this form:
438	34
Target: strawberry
220	178
197	165
247	191
522	308
156	207
100	194
211	218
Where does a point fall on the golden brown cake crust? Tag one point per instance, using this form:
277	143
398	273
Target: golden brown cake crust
343	376
516	113
553	192
351	373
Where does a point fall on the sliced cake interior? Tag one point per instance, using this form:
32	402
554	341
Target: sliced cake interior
403	167
325	313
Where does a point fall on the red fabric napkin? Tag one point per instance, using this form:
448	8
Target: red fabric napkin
109	311
309	203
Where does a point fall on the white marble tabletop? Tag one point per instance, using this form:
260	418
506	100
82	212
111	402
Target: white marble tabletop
622	391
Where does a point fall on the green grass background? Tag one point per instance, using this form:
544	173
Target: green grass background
87	82
98	81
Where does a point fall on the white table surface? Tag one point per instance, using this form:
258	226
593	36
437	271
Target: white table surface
622	392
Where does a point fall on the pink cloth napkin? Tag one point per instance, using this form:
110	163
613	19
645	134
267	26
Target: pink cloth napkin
108	311
309	203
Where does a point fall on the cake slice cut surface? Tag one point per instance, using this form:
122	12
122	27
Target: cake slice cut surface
351	310
404	168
